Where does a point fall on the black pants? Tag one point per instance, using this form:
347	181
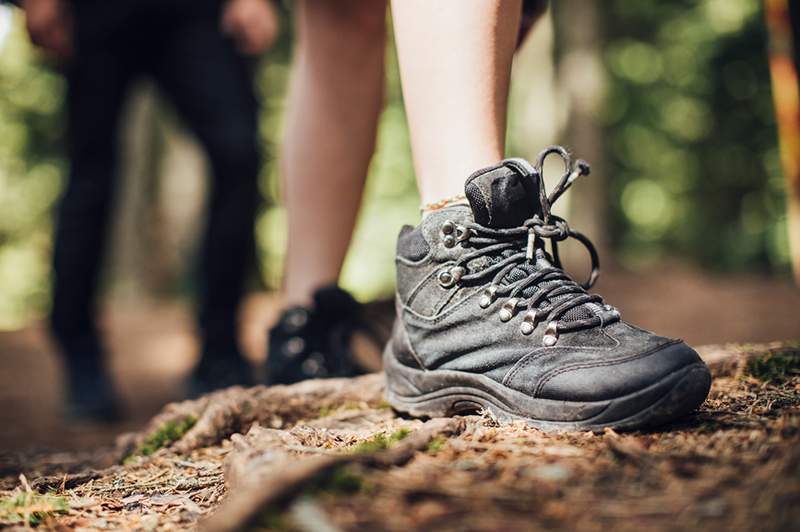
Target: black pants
179	44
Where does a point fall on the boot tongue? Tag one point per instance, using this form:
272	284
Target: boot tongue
504	195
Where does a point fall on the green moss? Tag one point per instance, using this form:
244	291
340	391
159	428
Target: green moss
380	441
168	433
775	367
30	508
436	444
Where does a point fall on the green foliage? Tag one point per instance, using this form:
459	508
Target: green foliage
381	441
31	175
692	145
168	433
775	367
30	508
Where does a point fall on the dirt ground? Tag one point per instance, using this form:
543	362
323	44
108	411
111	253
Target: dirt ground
330	455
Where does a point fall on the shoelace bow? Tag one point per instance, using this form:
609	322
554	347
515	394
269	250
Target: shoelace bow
526	244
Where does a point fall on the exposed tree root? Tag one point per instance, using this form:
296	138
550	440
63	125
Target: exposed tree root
265	467
234	410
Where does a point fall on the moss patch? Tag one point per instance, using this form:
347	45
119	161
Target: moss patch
30	508
168	433
436	444
380	442
774	367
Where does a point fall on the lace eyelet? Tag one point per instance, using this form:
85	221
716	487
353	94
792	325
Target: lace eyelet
507	312
449	241
550	335
314	365
295	320
450	277
294	346
529	322
448	227
446	278
488	296
462	233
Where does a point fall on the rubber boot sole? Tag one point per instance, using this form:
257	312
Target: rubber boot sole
443	393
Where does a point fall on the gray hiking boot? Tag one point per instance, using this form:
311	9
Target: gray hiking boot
488	320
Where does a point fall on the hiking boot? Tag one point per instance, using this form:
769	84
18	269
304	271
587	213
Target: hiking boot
489	321
315	342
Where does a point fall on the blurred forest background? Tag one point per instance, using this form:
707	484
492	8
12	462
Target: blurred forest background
669	101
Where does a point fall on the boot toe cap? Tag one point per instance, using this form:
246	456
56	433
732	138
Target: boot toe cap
606	379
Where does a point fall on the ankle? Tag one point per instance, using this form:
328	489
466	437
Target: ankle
296	295
428	208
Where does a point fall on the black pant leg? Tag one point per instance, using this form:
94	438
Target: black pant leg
96	84
212	87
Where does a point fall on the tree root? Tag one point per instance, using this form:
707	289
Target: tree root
264	467
234	410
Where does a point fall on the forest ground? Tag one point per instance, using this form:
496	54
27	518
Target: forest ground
331	455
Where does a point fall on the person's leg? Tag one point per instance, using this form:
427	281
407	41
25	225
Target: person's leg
335	97
96	84
455	65
211	84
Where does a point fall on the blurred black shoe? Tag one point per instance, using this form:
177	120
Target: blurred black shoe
315	342
90	389
217	369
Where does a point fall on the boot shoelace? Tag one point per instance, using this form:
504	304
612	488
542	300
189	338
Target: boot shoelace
555	293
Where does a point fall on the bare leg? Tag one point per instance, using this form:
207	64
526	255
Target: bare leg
455	65
336	95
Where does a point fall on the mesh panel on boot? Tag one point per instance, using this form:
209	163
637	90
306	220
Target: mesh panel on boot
522	271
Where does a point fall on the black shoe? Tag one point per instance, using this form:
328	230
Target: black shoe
219	369
90	393
315	342
487	320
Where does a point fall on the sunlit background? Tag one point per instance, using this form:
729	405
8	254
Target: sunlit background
670	100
